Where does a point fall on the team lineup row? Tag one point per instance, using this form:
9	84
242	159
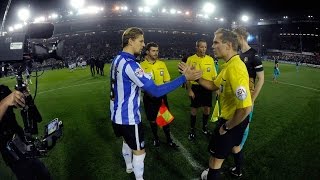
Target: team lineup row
237	85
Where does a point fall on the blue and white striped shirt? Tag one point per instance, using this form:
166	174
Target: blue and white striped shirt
127	79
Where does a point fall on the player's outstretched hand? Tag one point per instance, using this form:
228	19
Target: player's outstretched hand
190	72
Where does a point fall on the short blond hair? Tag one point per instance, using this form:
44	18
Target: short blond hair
228	36
241	31
130	33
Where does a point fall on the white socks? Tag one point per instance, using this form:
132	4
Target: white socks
138	166
127	155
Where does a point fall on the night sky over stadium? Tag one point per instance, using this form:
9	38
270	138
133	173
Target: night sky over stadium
259	8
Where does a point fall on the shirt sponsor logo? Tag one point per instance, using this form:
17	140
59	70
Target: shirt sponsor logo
241	93
139	72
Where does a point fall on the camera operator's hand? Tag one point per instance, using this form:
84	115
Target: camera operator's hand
16	98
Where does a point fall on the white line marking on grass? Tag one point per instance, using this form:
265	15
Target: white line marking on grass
313	89
183	150
187	155
65	87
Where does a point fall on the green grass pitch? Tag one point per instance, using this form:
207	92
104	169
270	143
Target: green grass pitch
283	143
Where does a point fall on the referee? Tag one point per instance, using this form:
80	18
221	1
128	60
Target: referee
159	74
199	96
235	99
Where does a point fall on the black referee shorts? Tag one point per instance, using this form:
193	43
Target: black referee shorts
203	97
132	134
152	104
220	146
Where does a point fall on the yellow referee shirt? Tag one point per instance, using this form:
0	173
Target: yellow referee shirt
157	70
205	64
233	81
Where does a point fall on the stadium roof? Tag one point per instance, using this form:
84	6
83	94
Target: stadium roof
261	7
230	9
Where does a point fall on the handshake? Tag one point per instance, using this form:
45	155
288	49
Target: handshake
189	72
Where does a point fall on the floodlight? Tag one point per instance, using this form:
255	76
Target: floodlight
77	3
173	11
24	14
39	19
10	28
93	9
146	9
17	26
151	2
54	16
245	18
124	8
209	8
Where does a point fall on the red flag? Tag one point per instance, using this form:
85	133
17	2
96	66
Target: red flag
164	116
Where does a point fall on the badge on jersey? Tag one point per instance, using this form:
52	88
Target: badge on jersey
241	93
149	75
245	59
139	72
161	73
208	69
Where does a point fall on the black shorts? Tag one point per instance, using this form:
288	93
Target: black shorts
132	134
152	104
203	97
220	146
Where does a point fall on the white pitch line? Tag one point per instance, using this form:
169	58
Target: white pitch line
65	87
183	150
309	88
187	155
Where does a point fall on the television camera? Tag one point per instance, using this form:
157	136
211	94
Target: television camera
20	49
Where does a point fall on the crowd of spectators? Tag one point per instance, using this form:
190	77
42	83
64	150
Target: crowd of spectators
307	58
105	45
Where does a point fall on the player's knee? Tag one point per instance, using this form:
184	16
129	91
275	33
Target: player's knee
193	111
215	163
236	149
